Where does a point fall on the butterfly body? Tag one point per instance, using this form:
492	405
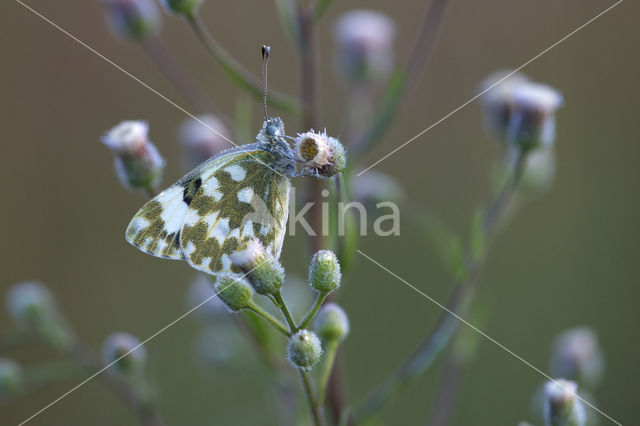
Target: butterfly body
238	195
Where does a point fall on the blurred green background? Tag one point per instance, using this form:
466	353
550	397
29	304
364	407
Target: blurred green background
569	258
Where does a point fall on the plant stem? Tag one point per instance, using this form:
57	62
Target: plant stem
330	356
285	311
445	399
447	324
396	89
308	390
270	319
236	71
176	74
314	309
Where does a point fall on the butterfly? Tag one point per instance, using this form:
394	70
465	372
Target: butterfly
238	195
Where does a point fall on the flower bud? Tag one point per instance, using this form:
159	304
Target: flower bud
532	121
138	164
364	41
186	7
304	349
324	272
234	291
201	290
497	91
264	273
32	306
132	19
199	141
331	323
11	378
126	354
322	155
576	355
562	406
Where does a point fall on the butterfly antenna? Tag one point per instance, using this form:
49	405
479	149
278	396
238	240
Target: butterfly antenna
265	61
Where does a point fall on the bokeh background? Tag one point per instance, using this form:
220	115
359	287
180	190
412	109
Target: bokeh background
569	258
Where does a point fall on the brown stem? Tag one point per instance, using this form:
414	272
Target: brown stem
176	74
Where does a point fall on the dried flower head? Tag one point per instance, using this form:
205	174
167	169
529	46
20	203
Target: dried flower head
532	121
497	92
364	41
202	141
137	161
304	349
322	155
132	19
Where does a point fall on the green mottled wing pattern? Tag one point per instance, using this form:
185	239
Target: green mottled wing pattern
243	199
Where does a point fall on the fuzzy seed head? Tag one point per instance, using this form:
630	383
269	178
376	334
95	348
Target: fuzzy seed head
322	155
304	349
324	272
332	323
234	291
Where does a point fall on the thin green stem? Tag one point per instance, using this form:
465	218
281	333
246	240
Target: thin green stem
402	79
308	390
236	71
313	311
270	319
280	303
330	357
176	74
447	324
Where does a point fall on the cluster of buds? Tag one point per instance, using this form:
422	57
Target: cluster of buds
137	161
364	40
321	155
519	111
132	19
202	139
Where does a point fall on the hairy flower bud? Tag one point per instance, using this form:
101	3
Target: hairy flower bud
576	355
202	141
532	121
364	41
264	273
322	155
125	352
234	291
324	271
304	349
32	307
11	378
132	19
137	161
562	407
331	323
186	7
